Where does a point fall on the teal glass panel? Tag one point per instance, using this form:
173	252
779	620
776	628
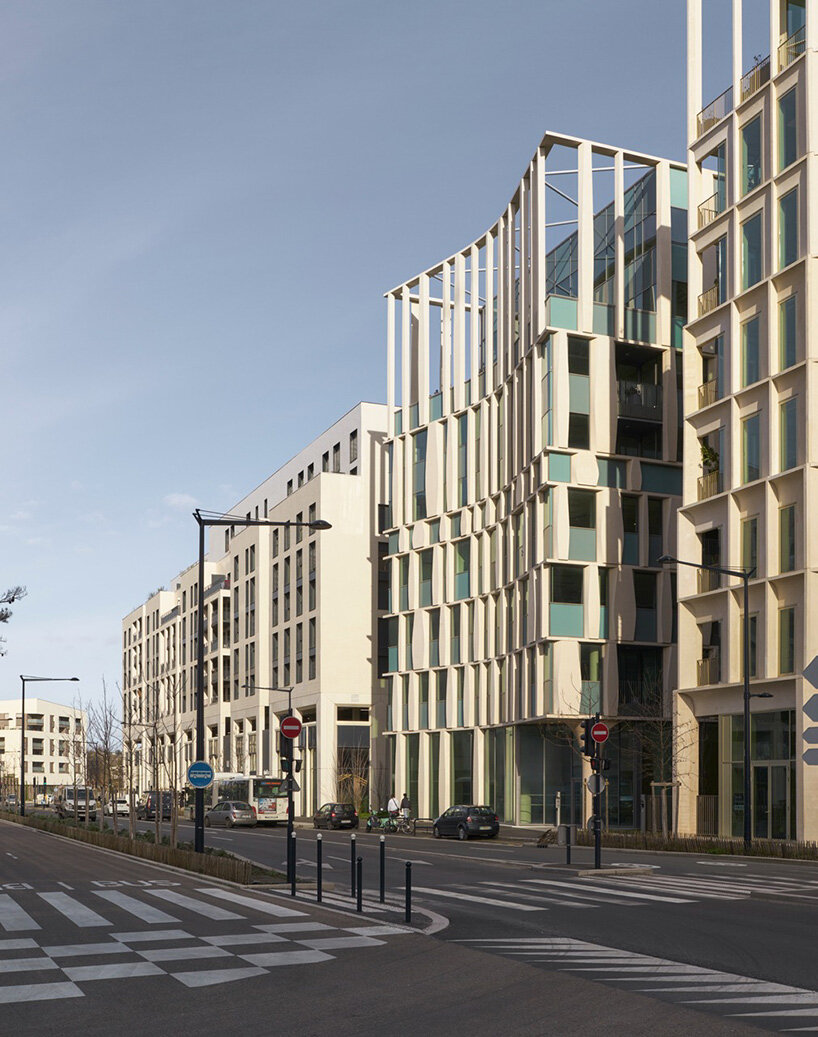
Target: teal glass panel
679	263
751	253
566	620
604	319
786	332
788	229
751	449
590	698
461	585
788	441
579	393
611	473
413	416
661	478
640	325
603	621
677	332
582	544
393	543
678	188
630	549
559	467
749	351
751	155
787	130
645	629
398	422
436	406
561	313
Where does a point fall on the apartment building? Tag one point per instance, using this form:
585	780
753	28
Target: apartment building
284	608
54	748
750	483
534	399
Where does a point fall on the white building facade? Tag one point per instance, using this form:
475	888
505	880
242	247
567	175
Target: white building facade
55	746
535	445
284	608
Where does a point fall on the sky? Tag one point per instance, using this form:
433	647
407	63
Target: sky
202	203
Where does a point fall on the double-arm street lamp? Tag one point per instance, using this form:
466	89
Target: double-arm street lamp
744	575
204	519
24	678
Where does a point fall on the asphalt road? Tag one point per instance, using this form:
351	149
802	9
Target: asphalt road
516	943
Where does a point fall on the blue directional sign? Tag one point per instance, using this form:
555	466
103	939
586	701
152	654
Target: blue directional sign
200	775
810	757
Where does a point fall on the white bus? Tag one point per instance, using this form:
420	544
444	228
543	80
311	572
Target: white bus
268	796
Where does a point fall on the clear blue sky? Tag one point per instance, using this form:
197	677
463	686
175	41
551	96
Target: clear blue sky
202	203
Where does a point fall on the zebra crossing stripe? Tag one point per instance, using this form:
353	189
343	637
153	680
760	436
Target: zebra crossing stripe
12	917
38	992
199	907
266	907
211	977
513	905
27	965
126	970
73	910
145	912
612	892
538	899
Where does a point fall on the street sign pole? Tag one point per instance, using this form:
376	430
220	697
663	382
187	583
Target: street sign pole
598	812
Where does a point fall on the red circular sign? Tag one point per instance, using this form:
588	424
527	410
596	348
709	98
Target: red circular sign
291	727
599	732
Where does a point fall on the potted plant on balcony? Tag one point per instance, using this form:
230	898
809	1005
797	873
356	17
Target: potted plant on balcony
710	457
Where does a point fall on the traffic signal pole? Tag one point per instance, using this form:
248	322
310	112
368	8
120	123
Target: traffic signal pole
598	811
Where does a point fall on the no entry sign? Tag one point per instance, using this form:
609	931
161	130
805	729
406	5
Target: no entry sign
599	732
291	727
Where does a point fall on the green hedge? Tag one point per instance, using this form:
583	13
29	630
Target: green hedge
701	844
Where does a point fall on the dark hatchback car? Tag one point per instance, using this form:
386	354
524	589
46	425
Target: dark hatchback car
335	815
147	809
466	821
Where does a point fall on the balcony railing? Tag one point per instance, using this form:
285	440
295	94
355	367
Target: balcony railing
708	580
754	79
710	208
709	300
640	400
708	670
709	484
714	112
708	393
793	47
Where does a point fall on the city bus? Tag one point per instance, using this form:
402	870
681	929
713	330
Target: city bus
268	796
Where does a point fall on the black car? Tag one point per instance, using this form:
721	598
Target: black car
146	811
465	821
335	815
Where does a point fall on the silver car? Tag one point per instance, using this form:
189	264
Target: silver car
229	813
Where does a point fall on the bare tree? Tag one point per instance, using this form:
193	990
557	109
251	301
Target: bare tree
8	597
352	775
105	738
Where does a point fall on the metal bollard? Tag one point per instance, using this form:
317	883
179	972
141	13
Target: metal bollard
319	853
352	865
360	884
408	892
292	865
383	869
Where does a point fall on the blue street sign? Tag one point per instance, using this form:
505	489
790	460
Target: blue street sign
200	775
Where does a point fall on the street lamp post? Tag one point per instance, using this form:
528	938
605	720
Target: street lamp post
23	679
744	575
204	519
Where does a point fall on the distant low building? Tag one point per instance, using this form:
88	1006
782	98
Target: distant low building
54	750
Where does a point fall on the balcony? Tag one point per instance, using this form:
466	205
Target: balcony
714	112
640	400
709	300
708	393
709	484
708	670
793	47
754	79
710	208
707	580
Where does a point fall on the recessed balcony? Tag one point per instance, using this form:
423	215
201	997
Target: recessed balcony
708	580
709	484
640	400
708	670
710	208
709	300
793	47
753	80
714	112
708	393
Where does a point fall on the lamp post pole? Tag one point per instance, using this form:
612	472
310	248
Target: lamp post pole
208	518
23	679
743	575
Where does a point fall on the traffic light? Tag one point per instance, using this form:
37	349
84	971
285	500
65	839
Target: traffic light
587	744
598	764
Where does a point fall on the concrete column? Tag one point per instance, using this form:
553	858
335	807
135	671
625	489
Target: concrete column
585	237
446	336
738	66
538	245
390	359
423	348
694	66
459	343
619	244
405	353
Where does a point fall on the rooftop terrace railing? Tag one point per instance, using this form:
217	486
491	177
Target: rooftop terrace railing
793	47
753	80
715	111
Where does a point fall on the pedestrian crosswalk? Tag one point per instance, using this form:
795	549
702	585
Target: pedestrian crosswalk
204	936
543	894
774	1006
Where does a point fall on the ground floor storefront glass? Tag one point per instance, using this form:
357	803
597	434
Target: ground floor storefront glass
772	779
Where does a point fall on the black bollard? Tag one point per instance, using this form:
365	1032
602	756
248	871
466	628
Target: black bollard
352	865
292	865
383	869
360	884
319	847
408	892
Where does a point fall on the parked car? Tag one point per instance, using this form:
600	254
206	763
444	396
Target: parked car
465	821
76	801
231	812
11	802
147	809
335	815
120	804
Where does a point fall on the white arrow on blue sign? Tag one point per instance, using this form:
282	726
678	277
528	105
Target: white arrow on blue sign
200	775
810	756
811	673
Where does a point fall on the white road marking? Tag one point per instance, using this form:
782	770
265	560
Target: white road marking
611	891
377	930
264	906
286	958
722	864
74	911
198	906
337	943
211	977
12	856
27	965
294	927
183	953
65	885
242	939
76	950
38	992
162	934
12	917
513	905
145	912
17	945
127	970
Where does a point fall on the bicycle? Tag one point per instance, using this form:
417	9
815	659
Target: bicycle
404	826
